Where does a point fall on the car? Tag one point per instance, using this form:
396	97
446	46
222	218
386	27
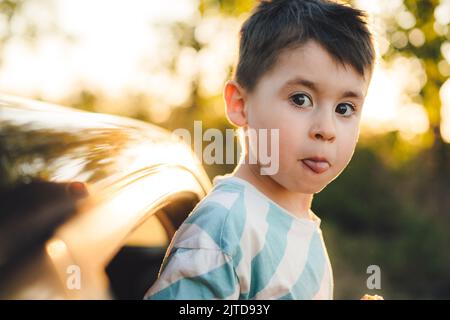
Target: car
88	202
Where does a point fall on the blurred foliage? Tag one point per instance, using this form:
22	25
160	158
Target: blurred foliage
15	26
375	215
398	216
429	53
391	206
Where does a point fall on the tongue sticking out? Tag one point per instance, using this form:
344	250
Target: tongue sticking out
316	166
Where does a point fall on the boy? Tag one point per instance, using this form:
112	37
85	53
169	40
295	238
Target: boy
304	68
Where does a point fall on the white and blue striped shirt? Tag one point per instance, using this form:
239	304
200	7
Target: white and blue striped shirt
239	244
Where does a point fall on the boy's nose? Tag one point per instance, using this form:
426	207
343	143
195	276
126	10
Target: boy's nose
323	129
324	135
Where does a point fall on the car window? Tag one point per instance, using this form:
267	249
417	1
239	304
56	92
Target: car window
30	213
138	261
149	234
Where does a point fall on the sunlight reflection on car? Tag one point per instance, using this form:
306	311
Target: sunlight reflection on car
131	185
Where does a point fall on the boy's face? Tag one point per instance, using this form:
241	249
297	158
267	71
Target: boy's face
316	104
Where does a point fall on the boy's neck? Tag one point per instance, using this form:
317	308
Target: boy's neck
298	204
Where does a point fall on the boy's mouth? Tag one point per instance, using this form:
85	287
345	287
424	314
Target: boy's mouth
316	164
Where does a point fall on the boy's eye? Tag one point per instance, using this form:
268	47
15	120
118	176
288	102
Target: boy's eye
301	100
345	109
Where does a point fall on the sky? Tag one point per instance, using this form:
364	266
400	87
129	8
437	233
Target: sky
115	48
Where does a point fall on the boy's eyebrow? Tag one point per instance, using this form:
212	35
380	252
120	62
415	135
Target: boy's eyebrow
301	81
313	86
352	94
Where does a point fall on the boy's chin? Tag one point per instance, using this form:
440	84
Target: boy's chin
312	189
307	188
301	185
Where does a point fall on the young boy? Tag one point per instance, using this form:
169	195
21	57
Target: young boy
304	68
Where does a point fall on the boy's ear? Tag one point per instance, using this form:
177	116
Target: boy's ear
234	96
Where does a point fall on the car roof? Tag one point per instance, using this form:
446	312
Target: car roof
66	144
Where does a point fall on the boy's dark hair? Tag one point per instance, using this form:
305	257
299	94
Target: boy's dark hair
276	25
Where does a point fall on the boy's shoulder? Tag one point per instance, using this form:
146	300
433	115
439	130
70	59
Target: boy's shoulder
235	214
217	221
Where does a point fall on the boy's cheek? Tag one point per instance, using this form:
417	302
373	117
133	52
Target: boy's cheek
349	134
346	154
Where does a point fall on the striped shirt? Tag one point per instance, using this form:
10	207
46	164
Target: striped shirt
239	244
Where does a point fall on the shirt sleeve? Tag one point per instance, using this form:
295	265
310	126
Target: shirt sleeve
195	274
